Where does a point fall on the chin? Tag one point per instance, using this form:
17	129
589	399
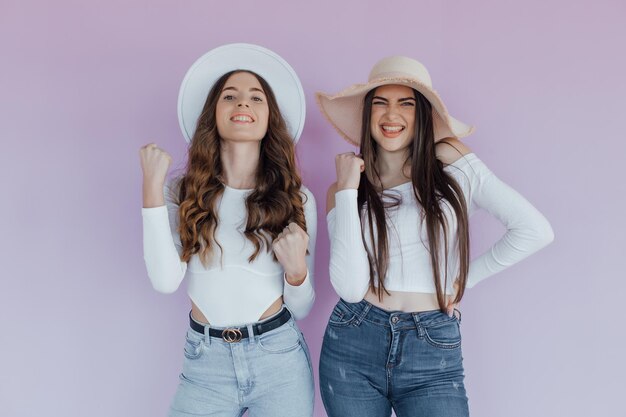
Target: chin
393	145
246	138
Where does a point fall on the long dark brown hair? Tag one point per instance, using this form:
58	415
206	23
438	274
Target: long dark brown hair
431	186
275	201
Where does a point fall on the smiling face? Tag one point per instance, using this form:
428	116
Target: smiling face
392	122
242	112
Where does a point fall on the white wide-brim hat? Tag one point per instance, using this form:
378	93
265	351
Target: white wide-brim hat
241	56
344	110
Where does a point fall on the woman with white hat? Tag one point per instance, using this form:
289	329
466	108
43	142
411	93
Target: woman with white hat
398	225
241	227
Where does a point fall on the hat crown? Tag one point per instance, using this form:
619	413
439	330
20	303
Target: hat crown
207	69
400	67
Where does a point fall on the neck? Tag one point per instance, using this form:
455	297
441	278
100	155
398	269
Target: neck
391	164
239	163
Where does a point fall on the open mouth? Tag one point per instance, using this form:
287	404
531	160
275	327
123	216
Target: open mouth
241	118
392	130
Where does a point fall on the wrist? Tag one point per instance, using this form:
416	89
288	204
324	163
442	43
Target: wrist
341	185
296	279
153	194
153	184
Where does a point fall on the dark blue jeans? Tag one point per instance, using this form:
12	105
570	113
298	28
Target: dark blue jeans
373	360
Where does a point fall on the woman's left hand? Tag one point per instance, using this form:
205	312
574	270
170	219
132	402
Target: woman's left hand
290	249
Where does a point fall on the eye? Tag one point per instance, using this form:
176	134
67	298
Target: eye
376	103
257	99
408	103
229	97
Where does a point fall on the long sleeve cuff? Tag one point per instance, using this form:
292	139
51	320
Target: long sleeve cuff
299	298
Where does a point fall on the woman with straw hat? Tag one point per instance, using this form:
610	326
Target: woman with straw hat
398	225
241	227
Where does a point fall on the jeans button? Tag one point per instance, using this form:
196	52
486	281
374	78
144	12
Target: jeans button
394	319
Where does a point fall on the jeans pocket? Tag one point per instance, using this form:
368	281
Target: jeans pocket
341	315
193	346
281	340
444	335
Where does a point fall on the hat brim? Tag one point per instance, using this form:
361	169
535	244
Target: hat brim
203	74
344	110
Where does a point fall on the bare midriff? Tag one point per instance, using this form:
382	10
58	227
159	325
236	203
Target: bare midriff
408	302
273	309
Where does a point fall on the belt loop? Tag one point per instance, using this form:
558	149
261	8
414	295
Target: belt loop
251	335
362	314
459	316
207	337
418	325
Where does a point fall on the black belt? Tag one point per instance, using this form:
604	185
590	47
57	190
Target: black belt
235	334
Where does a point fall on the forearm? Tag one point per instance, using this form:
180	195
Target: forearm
515	245
299	298
165	269
527	229
349	265
299	289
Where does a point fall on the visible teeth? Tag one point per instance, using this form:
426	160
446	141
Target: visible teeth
241	119
392	128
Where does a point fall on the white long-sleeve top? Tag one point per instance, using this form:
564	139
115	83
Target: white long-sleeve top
230	291
409	268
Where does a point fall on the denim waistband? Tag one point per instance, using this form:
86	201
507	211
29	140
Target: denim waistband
250	327
364	310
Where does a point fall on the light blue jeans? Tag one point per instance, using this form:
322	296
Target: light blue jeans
269	375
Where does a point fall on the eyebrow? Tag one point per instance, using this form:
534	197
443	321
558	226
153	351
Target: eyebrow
235	89
399	100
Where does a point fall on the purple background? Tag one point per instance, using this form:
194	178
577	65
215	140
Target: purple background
85	84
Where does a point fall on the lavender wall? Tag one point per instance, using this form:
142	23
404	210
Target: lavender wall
83	86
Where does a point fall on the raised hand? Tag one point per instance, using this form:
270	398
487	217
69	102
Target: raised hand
154	164
349	167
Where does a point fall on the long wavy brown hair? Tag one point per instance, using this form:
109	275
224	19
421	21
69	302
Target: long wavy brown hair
431	186
275	201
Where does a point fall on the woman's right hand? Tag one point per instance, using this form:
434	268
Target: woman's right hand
349	167
154	164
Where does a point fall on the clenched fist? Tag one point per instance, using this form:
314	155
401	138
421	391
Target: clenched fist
154	164
290	249
349	167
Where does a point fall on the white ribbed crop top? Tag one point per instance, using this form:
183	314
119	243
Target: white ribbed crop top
230	291
409	268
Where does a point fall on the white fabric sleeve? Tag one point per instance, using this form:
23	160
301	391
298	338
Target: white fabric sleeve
527	230
161	245
299	299
349	267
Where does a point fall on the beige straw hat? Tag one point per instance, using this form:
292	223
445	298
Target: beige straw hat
344	109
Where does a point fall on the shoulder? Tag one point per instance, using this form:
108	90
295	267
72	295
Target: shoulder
310	210
330	197
449	150
171	191
308	200
308	195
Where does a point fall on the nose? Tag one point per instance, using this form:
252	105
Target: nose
243	104
392	111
